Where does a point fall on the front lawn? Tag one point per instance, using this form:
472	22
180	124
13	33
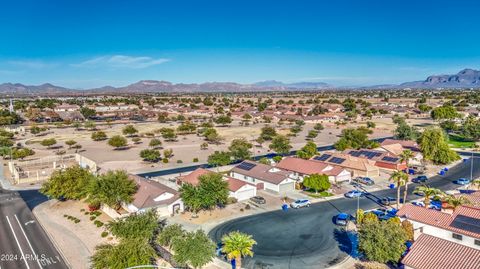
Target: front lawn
321	194
457	141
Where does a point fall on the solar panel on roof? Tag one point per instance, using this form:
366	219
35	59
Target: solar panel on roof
336	160
355	153
246	166
324	157
389	159
466	223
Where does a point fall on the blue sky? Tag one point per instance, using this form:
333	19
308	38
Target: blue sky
89	43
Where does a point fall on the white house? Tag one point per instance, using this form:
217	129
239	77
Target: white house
241	190
264	176
443	240
154	195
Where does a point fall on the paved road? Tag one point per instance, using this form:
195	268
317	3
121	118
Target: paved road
307	237
23	242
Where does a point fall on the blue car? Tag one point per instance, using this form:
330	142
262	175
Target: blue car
342	219
384	214
462	181
420	179
354	194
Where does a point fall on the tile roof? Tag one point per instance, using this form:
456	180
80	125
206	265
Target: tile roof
408	144
263	172
443	220
350	162
308	167
430	252
193	177
148	190
235	184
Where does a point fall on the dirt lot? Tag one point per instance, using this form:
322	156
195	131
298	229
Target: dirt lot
187	147
77	241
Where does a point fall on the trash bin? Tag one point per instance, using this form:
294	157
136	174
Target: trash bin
285	207
391	186
445	169
442	173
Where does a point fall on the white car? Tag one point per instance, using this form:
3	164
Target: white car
300	203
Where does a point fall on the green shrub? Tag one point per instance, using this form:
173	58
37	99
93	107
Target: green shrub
195	160
76	220
92	217
179	161
104	234
165	160
231	200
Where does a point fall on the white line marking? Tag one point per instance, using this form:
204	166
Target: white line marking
28	241
18	244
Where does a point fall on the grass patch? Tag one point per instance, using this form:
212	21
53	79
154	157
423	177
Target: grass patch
457	141
321	194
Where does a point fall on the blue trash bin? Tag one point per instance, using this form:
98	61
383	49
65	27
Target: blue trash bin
285	207
445	169
442	173
391	186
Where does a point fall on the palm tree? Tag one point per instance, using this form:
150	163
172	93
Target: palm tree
400	178
237	245
476	183
456	201
427	192
405	157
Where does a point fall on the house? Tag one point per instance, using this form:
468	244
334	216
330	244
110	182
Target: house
356	166
238	189
382	159
154	195
396	147
264	176
443	240
301	168
241	190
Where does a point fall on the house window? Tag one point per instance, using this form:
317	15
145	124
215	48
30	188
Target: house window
477	242
457	236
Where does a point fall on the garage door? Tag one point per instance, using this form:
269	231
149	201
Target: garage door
287	187
246	194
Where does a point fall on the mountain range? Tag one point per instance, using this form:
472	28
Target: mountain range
466	78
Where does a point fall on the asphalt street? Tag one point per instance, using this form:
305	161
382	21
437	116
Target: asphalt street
23	242
307	237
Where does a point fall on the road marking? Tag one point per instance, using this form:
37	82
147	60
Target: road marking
28	241
18	244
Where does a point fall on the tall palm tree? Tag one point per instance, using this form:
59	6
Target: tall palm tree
237	245
405	157
400	178
428	192
456	201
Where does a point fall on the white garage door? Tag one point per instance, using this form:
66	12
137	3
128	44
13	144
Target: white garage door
246	194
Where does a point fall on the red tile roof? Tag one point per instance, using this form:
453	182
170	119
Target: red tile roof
442	220
430	252
235	184
193	177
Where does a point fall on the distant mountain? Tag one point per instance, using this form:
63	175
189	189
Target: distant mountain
467	78
20	89
296	85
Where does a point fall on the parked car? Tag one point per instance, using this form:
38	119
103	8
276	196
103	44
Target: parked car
462	181
365	180
384	213
354	194
300	203
258	200
342	219
387	200
418	203
420	179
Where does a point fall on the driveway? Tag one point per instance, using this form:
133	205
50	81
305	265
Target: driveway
307	237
